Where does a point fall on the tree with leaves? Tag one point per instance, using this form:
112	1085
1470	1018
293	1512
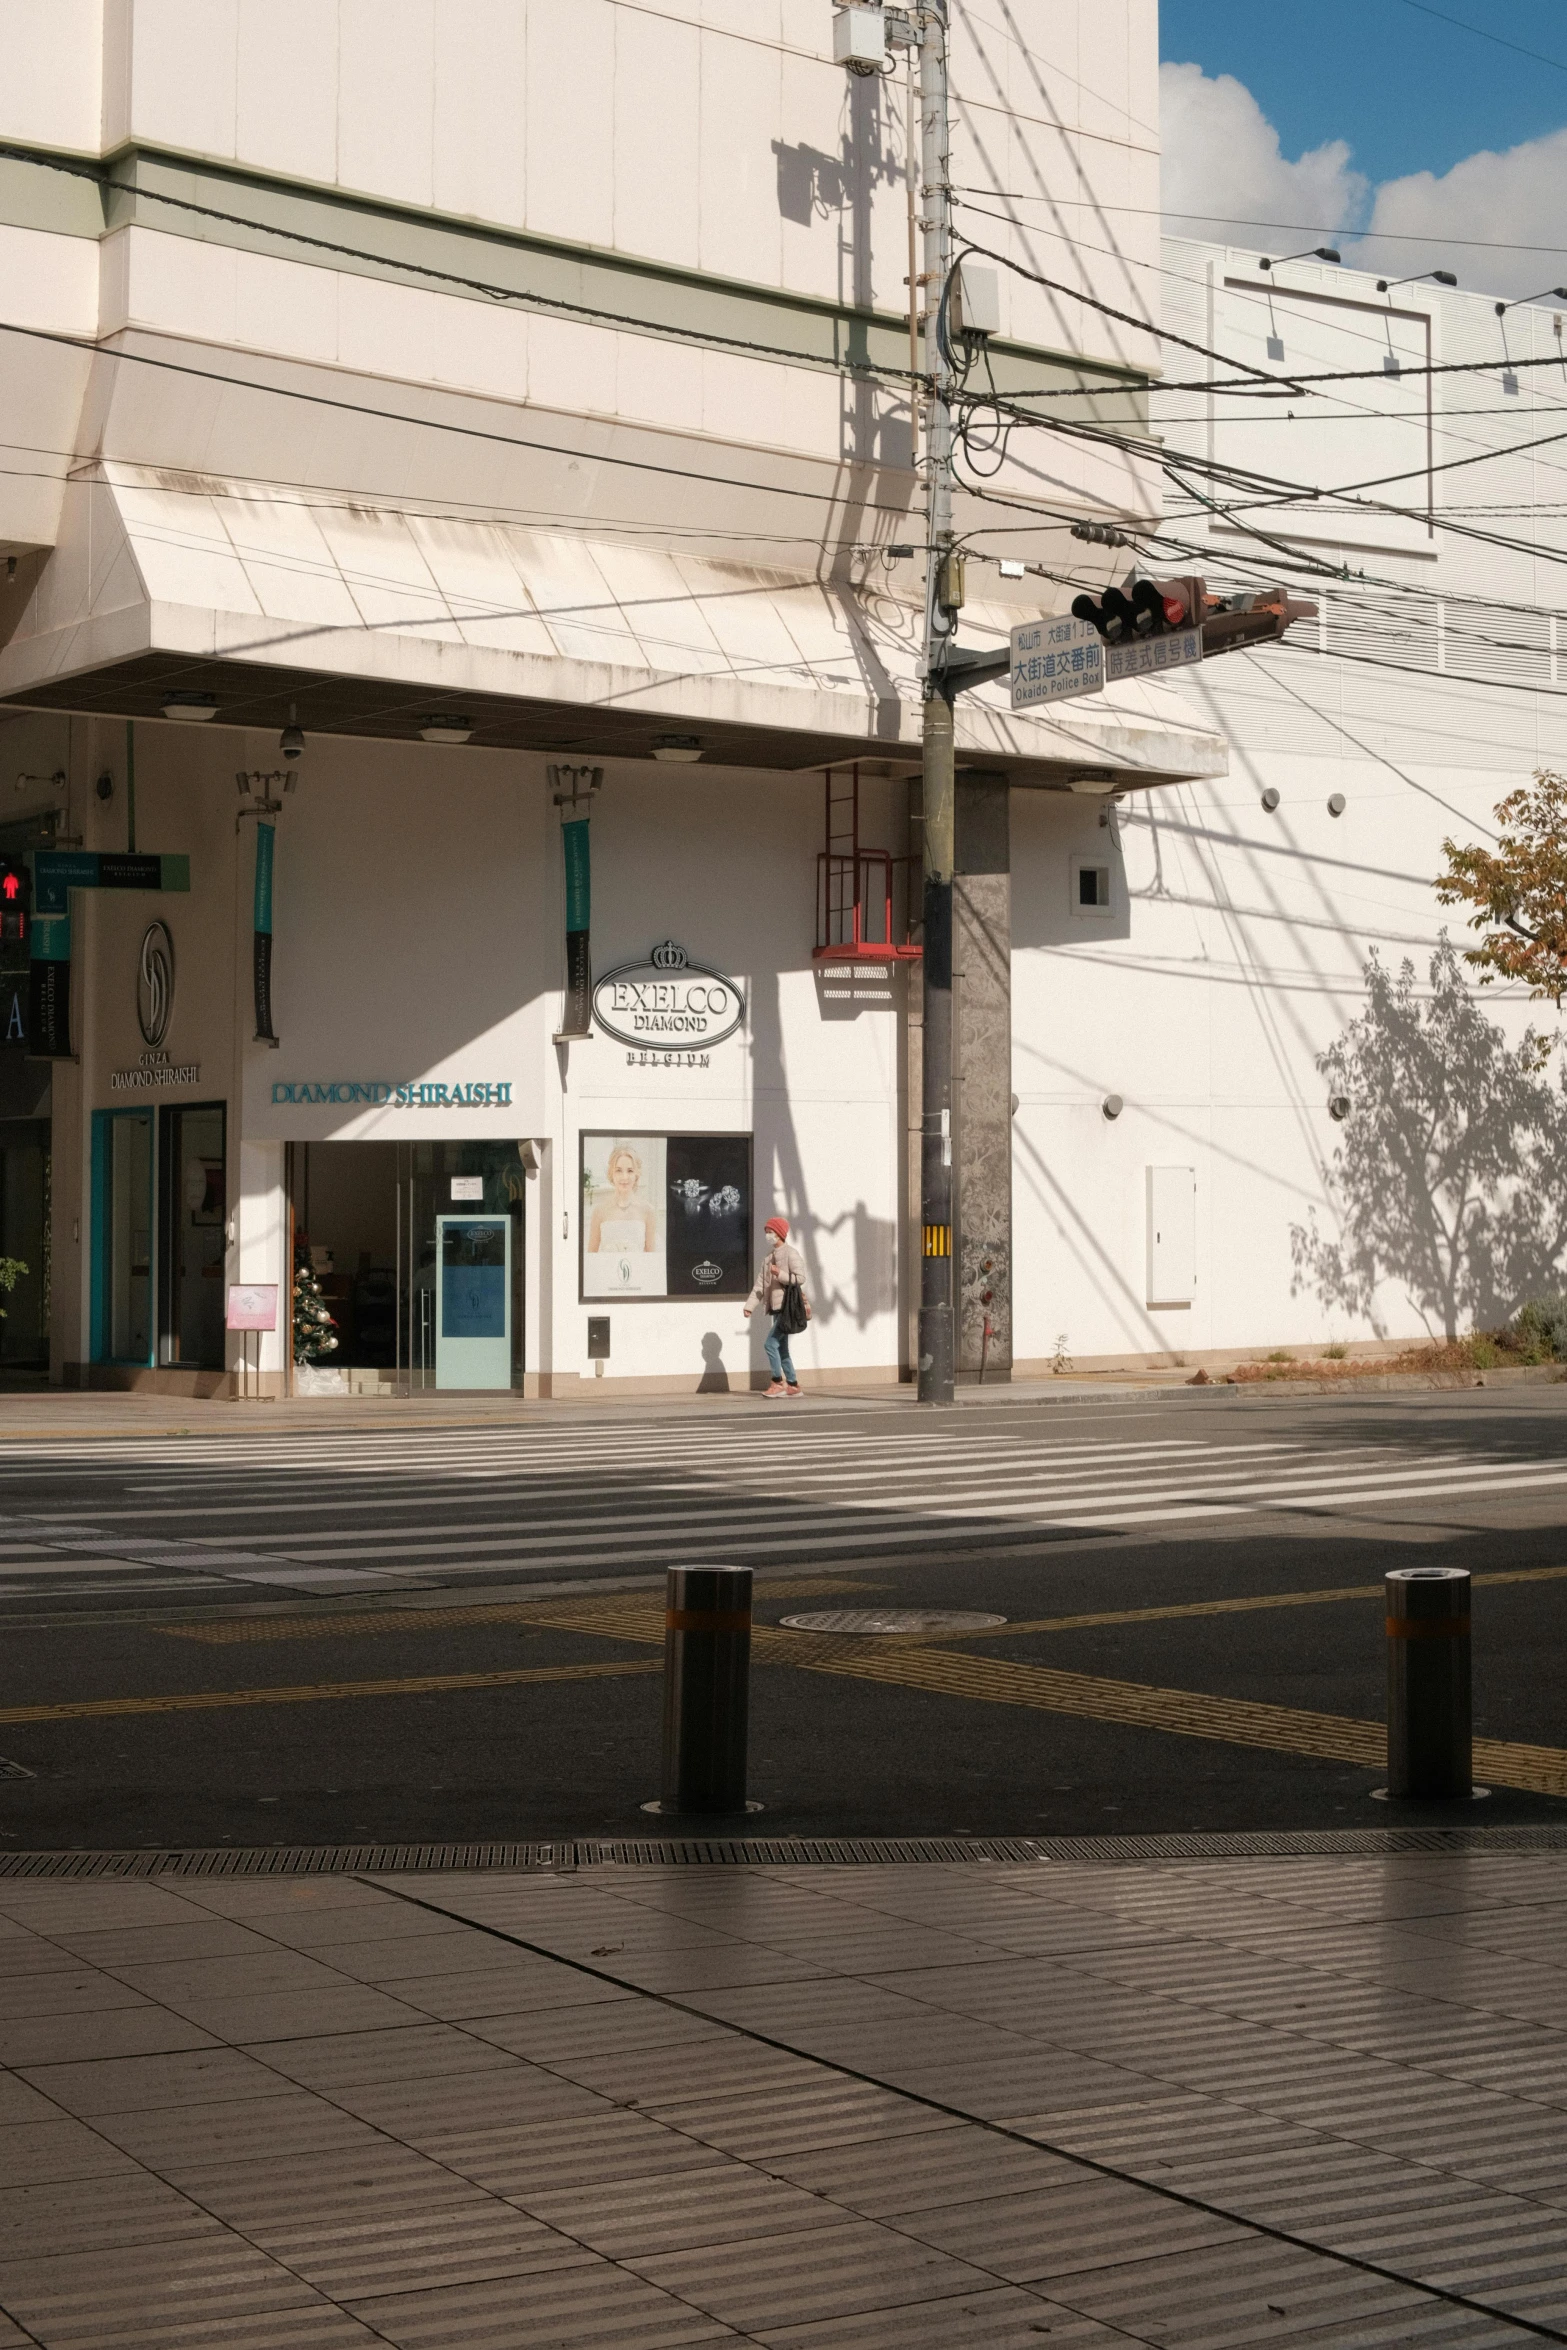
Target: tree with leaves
1518	890
12	1270
1451	1178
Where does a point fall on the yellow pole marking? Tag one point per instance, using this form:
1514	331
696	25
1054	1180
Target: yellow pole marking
332	1626
195	1701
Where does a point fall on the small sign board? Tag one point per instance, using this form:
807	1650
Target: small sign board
1151	656
468	1187
1052	659
253	1308
1055	659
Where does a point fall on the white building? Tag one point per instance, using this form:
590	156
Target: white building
527	371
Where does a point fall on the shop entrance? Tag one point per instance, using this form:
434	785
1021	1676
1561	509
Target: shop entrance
160	1220
416	1249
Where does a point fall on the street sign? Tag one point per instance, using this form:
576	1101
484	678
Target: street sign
1052	660
1150	656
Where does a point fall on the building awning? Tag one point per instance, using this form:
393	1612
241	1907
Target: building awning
371	620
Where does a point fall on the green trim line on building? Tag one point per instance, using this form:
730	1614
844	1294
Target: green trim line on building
259	212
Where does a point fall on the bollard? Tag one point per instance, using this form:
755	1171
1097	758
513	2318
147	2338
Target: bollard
1428	1730
707	1684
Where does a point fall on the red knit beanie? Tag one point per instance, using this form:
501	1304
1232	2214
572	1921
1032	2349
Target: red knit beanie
778	1224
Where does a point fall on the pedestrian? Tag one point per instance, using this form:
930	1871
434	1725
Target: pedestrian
781	1266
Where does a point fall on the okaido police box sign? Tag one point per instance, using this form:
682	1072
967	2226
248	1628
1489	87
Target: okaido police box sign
1055	660
668	1005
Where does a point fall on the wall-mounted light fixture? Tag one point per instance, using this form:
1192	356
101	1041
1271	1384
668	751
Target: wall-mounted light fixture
453	727
1112	1105
1339	1108
679	749
191	707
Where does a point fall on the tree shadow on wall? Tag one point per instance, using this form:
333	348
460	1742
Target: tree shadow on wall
1451	1179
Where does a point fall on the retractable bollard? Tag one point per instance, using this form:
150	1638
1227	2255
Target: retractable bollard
707	1687
1428	1713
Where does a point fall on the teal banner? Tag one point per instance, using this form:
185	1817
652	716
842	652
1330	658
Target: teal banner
577	1019
266	840
574	839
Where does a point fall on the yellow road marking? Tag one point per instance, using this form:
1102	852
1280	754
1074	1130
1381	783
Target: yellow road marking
911	1664
945	1672
194	1701
1228	1607
330	1626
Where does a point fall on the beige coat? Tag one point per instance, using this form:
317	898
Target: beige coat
783	1262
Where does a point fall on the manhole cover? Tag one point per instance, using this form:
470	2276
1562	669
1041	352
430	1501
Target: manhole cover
893	1619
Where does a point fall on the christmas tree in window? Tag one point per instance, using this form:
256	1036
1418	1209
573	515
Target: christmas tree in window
315	1330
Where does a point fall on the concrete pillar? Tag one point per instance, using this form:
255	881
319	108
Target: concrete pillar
982	1074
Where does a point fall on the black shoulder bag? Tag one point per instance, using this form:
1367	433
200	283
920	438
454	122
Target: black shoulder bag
792	1316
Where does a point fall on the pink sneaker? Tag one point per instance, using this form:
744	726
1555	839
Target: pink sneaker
795	1391
777	1388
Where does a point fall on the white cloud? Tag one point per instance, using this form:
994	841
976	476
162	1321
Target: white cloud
1223	163
1223	166
1488	199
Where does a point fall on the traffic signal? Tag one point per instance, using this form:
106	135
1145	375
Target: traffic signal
1141	608
1259	616
13	901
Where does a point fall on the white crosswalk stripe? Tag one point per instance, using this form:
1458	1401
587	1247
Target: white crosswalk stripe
376	1508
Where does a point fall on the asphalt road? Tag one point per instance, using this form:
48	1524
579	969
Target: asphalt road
451	1633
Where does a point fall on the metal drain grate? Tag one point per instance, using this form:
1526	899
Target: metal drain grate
893	1619
585	1852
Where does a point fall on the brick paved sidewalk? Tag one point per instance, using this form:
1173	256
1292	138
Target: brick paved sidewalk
1294	2100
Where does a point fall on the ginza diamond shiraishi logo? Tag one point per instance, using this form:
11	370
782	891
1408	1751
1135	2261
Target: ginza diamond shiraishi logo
155	985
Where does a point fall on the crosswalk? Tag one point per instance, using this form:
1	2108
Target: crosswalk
373	1510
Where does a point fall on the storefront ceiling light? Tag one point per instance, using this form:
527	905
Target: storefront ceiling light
453	729
677	746
190	706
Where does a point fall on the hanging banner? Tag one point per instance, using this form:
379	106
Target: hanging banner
49	989
266	841
574	789
577	1018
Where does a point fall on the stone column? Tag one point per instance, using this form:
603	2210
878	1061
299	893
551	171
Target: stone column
982	1075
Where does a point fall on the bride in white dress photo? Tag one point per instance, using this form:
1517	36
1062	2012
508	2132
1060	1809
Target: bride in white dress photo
624	1218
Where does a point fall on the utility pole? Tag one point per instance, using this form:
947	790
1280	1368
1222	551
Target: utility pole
861	34
942	597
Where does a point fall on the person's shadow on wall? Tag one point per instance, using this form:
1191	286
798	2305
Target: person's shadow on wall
1451	1179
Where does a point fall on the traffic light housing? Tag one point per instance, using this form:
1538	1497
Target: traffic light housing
1259	616
1141	608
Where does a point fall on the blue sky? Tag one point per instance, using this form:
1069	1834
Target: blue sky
1408	92
1415	122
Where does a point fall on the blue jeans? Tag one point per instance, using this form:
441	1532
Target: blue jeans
776	1344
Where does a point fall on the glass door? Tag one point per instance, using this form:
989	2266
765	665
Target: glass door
193	1205
441	1184
473	1301
123	1172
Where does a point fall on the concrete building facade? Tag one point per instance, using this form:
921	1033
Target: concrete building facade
514	399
